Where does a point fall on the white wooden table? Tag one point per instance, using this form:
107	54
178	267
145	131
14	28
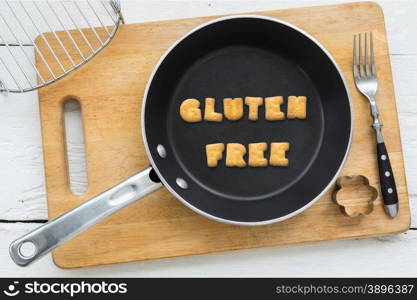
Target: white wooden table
22	190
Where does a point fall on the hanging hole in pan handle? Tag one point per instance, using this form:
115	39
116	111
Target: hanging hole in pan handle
27	249
23	251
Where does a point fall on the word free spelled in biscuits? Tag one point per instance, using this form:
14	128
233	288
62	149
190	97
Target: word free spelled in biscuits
235	155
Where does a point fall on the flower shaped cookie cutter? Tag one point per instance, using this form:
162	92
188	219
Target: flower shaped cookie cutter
355	195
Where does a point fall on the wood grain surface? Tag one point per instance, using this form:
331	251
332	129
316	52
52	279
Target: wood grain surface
110	90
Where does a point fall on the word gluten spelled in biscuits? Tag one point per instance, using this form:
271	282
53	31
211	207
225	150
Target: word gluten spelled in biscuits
233	110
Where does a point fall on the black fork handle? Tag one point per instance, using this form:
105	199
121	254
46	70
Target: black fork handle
386	177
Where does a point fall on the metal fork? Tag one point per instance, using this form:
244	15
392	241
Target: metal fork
364	72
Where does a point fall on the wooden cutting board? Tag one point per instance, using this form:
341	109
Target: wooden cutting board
110	90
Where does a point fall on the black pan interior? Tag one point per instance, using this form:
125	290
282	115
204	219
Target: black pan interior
241	57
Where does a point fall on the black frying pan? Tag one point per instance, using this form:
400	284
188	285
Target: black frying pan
234	56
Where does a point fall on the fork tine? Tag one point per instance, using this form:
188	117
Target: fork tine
367	64
355	65
373	66
361	68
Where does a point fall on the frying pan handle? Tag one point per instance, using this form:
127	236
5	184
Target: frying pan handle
63	228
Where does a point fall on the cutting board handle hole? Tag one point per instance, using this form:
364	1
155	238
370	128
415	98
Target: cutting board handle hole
75	146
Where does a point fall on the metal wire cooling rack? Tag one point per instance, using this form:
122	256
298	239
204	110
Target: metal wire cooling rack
60	36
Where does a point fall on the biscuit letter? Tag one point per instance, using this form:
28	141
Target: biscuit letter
297	107
273	108
214	153
256	155
234	155
209	113
277	157
190	111
253	103
233	108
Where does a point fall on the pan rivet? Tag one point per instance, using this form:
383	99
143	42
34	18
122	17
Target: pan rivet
161	151
182	183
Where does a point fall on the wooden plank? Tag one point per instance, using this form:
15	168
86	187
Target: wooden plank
22	173
22	163
21	157
391	255
159	226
